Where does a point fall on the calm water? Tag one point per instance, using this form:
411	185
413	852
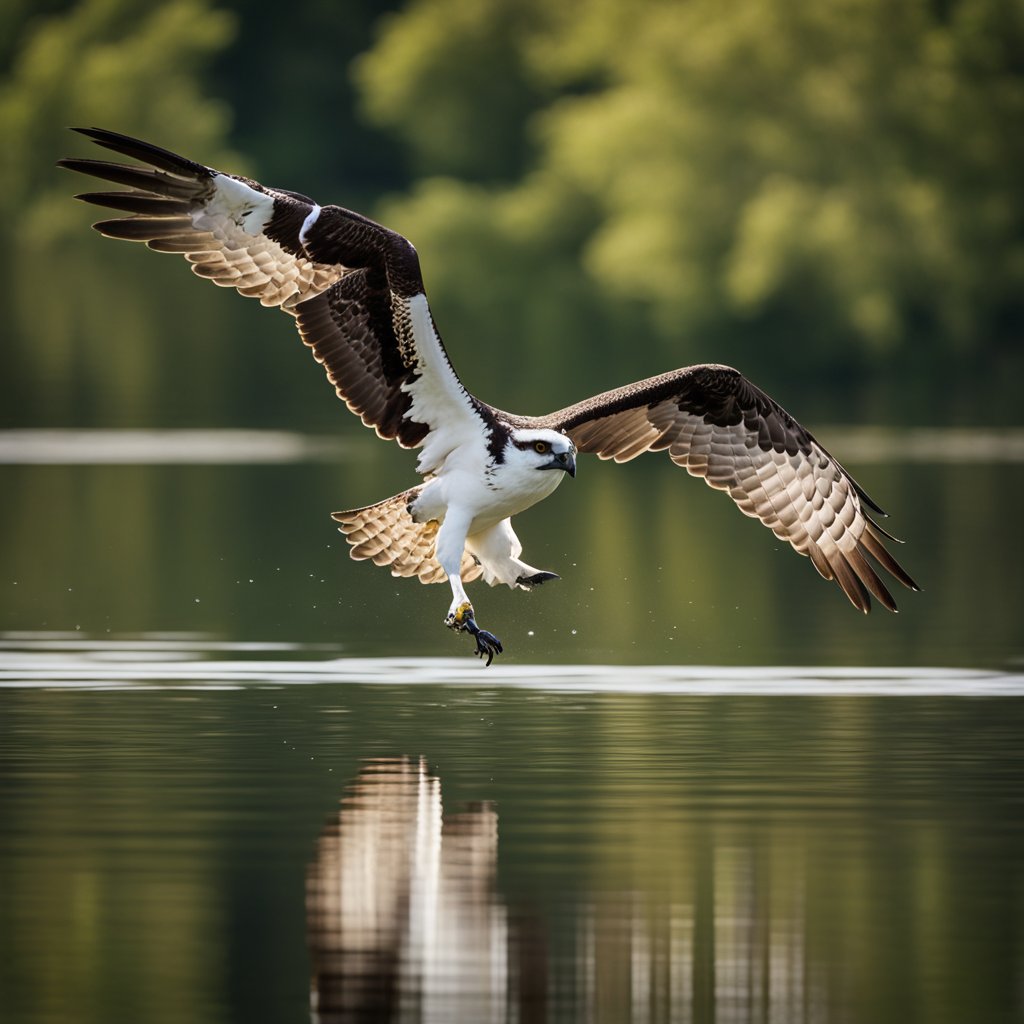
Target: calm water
240	774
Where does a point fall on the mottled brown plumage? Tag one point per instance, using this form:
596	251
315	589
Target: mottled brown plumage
388	535
717	425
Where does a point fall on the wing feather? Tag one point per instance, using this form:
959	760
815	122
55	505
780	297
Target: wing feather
247	234
717	425
353	285
386	534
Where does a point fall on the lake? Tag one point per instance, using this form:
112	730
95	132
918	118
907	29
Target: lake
245	778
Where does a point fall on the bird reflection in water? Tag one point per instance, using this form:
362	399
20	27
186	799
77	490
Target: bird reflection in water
405	924
402	919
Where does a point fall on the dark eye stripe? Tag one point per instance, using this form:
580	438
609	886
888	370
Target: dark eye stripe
531	446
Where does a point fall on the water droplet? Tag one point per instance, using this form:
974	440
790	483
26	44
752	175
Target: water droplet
529	632
573	631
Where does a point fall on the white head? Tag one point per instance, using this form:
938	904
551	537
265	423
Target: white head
541	450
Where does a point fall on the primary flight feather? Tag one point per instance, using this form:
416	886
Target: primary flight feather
355	291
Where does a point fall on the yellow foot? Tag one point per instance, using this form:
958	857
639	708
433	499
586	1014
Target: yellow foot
462	620
458	618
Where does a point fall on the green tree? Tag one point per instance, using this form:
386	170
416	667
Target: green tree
124	64
135	67
295	108
451	78
833	185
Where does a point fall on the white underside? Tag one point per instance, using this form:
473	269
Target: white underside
472	498
477	517
497	549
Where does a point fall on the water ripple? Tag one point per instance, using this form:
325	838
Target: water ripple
66	661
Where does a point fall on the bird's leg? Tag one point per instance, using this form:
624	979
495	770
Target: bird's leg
461	620
451	540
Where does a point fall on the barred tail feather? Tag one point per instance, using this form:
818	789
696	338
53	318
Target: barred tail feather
388	535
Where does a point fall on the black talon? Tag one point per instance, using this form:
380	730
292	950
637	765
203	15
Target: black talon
537	579
487	644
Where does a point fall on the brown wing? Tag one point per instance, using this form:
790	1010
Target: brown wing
353	285
233	231
717	425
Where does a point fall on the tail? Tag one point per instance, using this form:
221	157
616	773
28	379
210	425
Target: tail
388	534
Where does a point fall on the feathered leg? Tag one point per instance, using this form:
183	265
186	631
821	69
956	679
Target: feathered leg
451	542
497	552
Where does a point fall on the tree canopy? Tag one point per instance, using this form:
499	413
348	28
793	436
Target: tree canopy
837	181
830	189
127	63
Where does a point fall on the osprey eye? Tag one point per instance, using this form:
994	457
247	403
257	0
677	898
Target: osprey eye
541	447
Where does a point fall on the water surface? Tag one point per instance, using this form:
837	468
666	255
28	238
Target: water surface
198	831
227	533
243	778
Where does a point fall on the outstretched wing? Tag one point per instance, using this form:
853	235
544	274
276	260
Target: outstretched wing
353	285
719	426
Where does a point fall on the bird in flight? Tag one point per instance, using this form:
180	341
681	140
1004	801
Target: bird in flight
355	290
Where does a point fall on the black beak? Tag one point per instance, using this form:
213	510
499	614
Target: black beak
566	461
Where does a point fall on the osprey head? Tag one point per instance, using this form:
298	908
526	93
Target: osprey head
542	449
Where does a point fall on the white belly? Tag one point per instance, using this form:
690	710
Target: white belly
487	501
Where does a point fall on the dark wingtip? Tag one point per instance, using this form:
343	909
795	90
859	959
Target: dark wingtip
883	531
96	134
100	134
146	152
908	581
869	501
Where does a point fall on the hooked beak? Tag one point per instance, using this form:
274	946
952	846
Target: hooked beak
566	461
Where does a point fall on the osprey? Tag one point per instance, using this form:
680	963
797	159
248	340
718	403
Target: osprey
355	291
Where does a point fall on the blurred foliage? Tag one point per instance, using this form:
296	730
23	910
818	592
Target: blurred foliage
132	66
450	78
126	64
295	104
832	187
825	196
